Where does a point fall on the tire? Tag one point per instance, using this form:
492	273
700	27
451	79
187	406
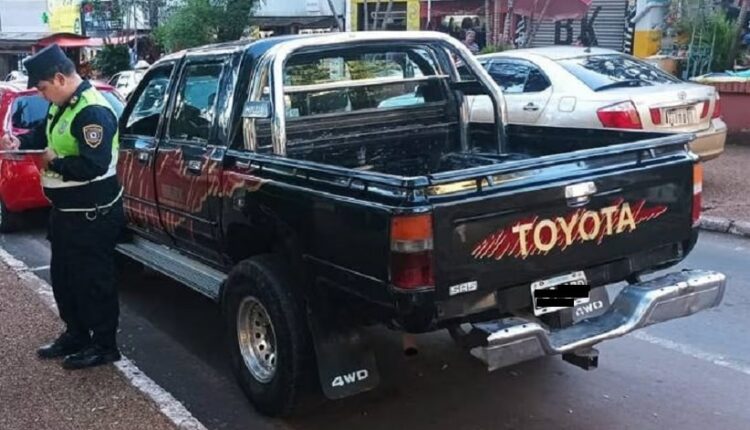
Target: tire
274	382
8	220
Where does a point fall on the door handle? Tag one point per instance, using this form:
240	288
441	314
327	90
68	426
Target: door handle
195	167
531	107
144	157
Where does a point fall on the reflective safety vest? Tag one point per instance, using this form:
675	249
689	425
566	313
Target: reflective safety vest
61	140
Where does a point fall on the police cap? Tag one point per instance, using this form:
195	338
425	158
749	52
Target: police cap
46	63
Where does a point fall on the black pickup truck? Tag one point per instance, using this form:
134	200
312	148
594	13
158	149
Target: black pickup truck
314	186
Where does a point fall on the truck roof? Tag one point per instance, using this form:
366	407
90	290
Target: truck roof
257	47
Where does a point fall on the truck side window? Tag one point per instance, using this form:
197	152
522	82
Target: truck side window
149	103
196	102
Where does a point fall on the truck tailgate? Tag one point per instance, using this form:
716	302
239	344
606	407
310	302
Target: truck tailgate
524	224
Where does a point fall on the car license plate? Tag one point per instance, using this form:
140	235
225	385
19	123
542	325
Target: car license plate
558	283
680	117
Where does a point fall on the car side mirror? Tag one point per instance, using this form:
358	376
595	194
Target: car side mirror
257	109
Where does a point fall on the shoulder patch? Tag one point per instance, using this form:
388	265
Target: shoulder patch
93	135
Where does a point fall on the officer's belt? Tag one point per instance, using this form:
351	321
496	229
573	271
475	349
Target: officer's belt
54	180
95	208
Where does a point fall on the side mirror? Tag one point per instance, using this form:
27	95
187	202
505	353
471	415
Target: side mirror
257	110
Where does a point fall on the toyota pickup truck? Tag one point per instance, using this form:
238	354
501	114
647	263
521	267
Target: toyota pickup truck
316	186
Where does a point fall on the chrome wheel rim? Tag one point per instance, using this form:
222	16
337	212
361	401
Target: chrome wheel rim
257	339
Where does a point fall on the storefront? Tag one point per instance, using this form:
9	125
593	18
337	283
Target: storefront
14	47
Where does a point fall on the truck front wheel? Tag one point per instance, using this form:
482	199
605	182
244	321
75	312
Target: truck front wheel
268	336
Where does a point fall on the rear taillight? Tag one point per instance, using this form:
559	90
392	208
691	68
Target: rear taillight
717	108
697	192
620	115
706	107
411	252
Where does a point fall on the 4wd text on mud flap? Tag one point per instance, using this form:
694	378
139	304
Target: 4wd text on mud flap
350	378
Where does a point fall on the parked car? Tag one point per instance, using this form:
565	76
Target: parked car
21	110
600	88
16	76
126	81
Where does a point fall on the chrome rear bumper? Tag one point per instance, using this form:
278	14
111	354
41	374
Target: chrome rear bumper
513	340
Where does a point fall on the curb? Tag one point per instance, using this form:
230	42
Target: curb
725	225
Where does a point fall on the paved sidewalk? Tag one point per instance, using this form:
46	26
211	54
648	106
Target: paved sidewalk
40	395
726	187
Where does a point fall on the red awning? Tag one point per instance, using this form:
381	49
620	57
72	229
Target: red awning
67	40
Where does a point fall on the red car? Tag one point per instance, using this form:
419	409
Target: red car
21	110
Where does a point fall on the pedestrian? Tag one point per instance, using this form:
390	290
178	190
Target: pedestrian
78	169
469	41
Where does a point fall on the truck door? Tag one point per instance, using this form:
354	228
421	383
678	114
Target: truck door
185	159
140	127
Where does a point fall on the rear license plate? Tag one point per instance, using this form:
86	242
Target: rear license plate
680	117
555	287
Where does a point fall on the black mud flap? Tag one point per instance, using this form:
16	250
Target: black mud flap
346	362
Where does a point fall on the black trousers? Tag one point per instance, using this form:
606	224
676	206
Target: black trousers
83	271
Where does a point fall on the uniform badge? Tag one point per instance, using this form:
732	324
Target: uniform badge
93	135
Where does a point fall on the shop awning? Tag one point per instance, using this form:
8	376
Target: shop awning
67	40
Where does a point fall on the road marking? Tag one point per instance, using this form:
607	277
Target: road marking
38	269
692	351
168	405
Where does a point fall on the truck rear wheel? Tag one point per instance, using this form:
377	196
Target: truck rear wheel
269	340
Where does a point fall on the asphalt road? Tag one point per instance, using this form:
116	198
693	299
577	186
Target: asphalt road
687	374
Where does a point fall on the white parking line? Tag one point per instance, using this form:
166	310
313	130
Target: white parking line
168	405
692	351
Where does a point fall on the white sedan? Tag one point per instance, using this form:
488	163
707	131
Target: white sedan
600	88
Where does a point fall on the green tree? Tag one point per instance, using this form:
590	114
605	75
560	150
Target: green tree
112	59
199	22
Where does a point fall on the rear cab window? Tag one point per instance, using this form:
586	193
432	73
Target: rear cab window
356	80
602	72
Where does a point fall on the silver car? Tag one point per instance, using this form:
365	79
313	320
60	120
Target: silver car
600	88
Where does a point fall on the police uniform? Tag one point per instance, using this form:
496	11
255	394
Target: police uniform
86	217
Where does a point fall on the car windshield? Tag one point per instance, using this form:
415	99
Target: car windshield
115	102
29	111
602	72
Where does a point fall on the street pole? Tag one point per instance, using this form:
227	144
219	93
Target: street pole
487	28
335	15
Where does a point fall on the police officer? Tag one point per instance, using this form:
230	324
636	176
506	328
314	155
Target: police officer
80	142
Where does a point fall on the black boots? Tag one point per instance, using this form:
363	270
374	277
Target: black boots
65	345
78	351
91	356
